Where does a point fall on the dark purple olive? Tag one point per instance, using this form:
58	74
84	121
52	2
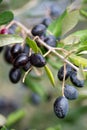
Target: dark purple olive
61	107
26	49
8	56
60	74
27	66
50	40
37	60
16	49
46	21
21	60
74	79
15	75
1	48
38	30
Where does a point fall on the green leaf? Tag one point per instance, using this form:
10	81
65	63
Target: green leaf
64	23
80	73
74	38
56	26
33	45
14	117
83	13
4	128
6	17
78	60
35	87
69	21
83	53
50	75
81	49
1	1
9	39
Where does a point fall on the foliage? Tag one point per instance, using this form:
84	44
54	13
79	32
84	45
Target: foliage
61	28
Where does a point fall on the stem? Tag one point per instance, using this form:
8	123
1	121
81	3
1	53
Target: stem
63	84
26	73
47	53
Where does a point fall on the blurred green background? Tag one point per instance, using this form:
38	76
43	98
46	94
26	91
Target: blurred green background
41	115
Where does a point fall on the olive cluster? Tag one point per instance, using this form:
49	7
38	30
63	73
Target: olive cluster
61	105
19	57
40	30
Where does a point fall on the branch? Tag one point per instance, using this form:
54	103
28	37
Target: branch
50	49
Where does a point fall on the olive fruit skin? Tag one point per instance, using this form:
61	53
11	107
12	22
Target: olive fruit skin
16	49
61	107
21	60
75	80
1	48
15	75
50	40
38	30
70	92
46	21
35	99
27	66
55	11
8	56
37	60
26	49
60	74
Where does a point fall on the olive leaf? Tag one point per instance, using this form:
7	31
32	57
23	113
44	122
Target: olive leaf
80	73
50	75
34	86
69	21
14	117
81	49
83	13
6	17
74	38
64	23
78	60
3	128
9	39
33	45
56	26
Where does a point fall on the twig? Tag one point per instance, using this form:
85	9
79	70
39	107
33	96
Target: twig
26	74
63	84
51	49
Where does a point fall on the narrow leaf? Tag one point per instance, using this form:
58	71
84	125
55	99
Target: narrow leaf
79	36
70	21
3	128
9	39
14	117
50	75
83	13
81	49
78	60
35	87
33	45
6	17
80	73
83	53
56	26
